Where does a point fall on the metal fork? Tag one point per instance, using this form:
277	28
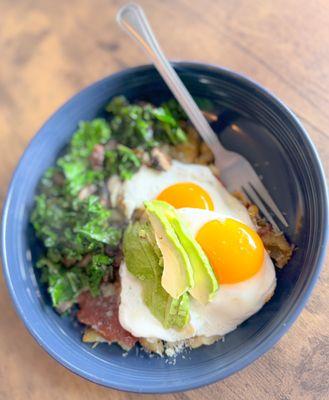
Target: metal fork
237	174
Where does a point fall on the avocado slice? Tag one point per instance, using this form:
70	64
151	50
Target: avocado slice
205	282
177	276
144	261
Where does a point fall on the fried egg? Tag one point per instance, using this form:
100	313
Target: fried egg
224	230
183	185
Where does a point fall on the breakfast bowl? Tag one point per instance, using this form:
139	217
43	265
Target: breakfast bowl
252	122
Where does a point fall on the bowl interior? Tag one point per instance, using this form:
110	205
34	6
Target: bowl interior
251	122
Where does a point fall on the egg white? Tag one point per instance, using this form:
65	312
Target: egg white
233	303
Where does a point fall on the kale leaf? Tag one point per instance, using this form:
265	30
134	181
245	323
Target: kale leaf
96	271
75	165
88	135
122	161
78	173
63	285
143	125
94	223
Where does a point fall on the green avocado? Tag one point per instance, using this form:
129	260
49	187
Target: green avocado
144	261
177	276
205	282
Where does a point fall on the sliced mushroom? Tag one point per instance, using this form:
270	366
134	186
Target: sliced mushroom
87	191
160	160
206	156
97	157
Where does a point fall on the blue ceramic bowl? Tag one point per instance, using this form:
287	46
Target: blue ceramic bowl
252	122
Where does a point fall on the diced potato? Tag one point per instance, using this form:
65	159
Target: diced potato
278	247
198	341
189	151
91	336
152	346
206	156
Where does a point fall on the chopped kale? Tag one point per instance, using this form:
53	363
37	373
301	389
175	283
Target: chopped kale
70	231
88	135
75	165
122	161
143	125
71	217
73	228
64	285
96	271
78	173
171	106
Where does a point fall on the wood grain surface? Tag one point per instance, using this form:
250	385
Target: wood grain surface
51	49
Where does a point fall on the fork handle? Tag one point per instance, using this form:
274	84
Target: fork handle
133	20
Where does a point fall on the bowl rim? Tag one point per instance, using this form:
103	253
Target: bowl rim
277	332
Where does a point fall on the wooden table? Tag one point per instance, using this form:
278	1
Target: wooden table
50	50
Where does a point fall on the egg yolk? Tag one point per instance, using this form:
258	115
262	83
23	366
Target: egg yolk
186	194
234	250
